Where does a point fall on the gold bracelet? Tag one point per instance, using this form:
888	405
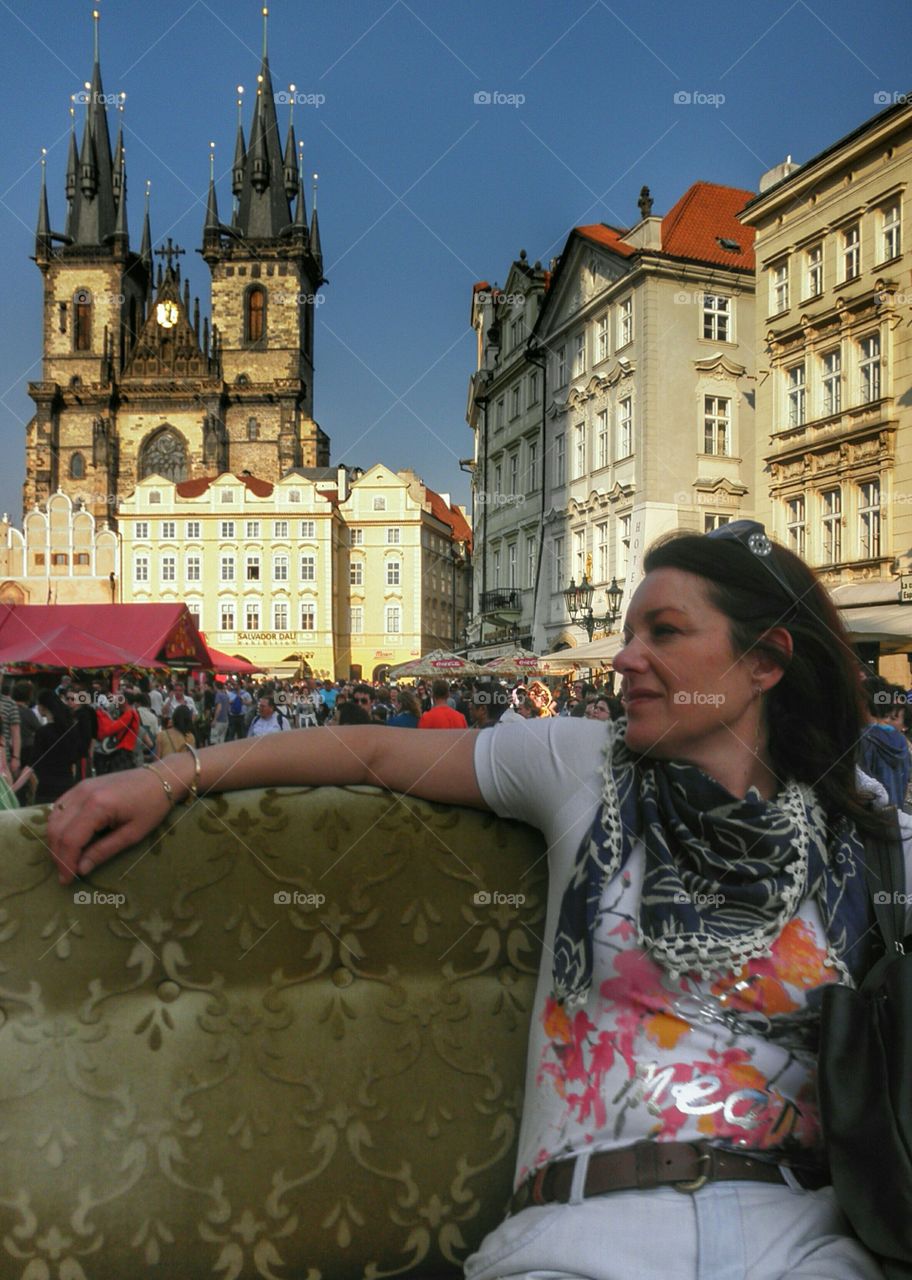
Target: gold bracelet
197	771
169	790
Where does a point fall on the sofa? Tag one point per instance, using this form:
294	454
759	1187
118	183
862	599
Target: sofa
283	1037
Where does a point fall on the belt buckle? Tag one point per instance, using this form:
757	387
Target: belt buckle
688	1188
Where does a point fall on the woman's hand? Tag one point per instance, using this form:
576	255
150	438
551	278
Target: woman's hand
100	817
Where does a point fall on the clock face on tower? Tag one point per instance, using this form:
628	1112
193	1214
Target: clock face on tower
166	314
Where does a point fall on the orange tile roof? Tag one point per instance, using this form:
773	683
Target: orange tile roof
462	531
196	488
607	236
705	214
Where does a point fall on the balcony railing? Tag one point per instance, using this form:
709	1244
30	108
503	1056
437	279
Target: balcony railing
502	601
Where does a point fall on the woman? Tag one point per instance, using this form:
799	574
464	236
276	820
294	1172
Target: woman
705	864
55	749
178	735
408	710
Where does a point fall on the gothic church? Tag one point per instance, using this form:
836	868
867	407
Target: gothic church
132	384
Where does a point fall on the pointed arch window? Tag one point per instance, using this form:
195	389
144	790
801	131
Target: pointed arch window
82	320
164	454
255	315
77	467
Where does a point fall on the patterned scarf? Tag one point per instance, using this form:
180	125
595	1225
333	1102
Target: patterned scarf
722	877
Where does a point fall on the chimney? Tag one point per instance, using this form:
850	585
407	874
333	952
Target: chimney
342	482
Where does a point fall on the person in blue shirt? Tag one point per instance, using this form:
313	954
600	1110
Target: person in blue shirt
884	749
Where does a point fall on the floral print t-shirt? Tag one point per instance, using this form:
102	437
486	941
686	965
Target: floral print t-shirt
730	1059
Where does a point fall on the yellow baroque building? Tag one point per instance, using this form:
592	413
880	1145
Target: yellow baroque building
334	573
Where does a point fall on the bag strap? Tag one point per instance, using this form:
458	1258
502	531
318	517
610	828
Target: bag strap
885	874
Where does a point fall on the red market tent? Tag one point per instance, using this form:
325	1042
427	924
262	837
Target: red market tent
226	665
100	636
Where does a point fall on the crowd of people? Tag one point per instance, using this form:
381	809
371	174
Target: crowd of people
56	735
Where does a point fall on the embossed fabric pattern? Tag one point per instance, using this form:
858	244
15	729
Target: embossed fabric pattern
284	1037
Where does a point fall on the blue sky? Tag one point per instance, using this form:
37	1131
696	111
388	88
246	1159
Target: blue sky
424	190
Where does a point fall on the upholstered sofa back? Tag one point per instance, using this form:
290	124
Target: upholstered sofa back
284	1037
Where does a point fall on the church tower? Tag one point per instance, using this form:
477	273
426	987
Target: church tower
267	270
95	294
133	383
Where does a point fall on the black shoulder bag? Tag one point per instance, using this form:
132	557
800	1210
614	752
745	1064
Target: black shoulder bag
865	1076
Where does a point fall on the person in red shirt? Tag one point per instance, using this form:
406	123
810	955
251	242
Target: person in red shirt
442	715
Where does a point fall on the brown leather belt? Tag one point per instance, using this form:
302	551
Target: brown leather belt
686	1166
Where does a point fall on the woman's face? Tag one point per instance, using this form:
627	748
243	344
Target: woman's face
600	710
687	694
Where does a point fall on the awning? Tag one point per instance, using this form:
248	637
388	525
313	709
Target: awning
228	665
890	625
598	653
99	636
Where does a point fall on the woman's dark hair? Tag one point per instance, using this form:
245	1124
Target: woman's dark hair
814	714
182	720
47	700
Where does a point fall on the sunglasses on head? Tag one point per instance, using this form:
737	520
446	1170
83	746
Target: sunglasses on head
753	537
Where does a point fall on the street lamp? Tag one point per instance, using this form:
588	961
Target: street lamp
579	605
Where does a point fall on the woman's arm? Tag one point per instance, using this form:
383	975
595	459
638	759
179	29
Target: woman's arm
103	816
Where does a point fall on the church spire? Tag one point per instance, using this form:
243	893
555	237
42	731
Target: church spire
264	211
145	249
121	230
94	202
300	221
315	247
211	228
291	159
240	151
43	230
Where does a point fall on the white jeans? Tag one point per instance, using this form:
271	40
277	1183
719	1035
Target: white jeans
725	1231
217	731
